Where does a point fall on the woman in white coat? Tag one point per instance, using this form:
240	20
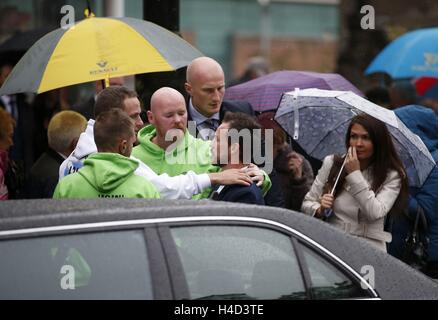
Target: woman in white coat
372	184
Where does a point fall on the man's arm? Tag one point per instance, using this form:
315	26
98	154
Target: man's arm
187	185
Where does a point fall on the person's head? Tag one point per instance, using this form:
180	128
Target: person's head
7	124
279	137
233	140
168	112
121	98
372	140
374	147
117	81
114	131
205	83
64	130
256	67
402	93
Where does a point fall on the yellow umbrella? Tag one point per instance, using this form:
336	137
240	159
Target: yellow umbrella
96	49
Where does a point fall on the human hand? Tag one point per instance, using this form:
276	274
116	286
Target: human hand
230	176
295	165
352	162
256	174
326	203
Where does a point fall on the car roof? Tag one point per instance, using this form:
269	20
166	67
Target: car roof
390	273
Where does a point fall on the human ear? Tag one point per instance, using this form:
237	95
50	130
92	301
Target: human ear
188	88
150	116
122	146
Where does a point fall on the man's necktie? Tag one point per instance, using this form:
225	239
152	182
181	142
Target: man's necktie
212	124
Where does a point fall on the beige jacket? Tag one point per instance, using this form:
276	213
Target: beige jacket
357	209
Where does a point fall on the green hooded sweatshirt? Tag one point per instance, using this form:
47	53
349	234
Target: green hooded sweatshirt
106	175
190	155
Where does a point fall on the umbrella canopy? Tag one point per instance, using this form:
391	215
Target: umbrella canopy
318	121
264	93
96	49
414	54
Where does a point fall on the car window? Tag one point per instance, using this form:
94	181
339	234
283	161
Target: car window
327	280
238	262
101	265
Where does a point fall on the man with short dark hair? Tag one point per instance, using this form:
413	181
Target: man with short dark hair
111	97
228	151
109	173
116	96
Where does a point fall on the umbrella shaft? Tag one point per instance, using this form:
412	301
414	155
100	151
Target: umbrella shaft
339	174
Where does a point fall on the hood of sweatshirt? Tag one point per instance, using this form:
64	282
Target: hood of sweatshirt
423	122
86	144
107	171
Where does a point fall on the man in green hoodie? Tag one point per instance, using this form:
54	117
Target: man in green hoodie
109	173
166	145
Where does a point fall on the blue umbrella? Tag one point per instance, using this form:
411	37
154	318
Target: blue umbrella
414	54
318	121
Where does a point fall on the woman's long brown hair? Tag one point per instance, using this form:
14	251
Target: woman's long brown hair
383	160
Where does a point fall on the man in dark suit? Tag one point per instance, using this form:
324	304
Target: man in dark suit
229	151
205	85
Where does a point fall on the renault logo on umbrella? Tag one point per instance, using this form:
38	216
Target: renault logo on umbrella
102	63
104	68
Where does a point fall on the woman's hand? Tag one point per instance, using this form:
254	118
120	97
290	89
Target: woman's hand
326	203
352	162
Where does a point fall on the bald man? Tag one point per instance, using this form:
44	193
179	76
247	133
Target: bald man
168	113
205	84
166	146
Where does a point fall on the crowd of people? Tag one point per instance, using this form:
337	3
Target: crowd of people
200	146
